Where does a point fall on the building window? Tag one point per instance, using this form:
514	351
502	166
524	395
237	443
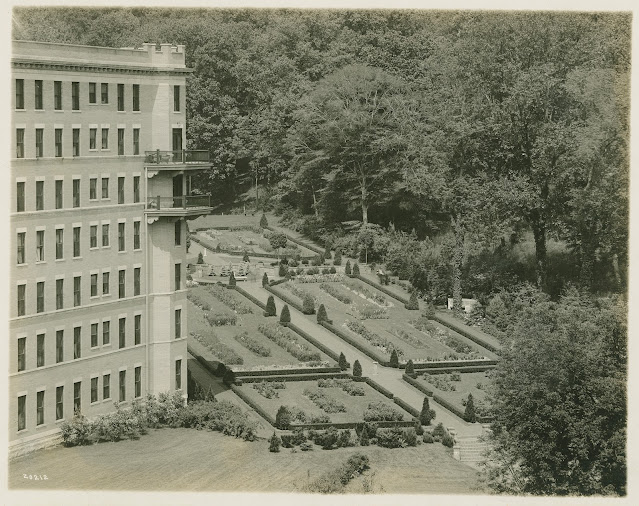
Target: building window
75	96
59	293
76	193
178	323
121	284
40	246
136	141
106	386
105	235
39	195
22	354
120	190
22	291
94	285
59	403
57	95
93	133
59	346
122	386
38	94
136	97
76	142
77	343
136	235
77	397
120	97
22	415
178	276
136	189
58	142
20	93
58	194
106	332
19	142
40	407
178	374
40	297
122	332
106	283
104	88
21	247
121	242
178	232
76	242
94	389
105	138
120	141
137	322
77	291
59	243
39	139
94	335
105	187
92	93
20	197
93	236
176	98
138	382
136	281
40	350
93	188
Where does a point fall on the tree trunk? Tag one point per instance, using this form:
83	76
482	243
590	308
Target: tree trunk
538	225
587	251
364	203
615	268
314	202
458	257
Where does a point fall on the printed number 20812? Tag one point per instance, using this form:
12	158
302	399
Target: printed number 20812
35	476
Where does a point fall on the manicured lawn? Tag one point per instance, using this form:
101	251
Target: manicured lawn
245	323
293	395
190	460
468	384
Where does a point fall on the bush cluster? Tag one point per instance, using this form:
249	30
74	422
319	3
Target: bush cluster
379	411
316	277
229	300
285	339
369	312
269	389
252	344
379	342
358	288
440	434
348	385
221	319
336	293
333	481
218	348
220	416
198	301
332	438
337	259
324	402
396	437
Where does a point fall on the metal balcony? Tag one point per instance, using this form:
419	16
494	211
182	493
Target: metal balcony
185	205
171	159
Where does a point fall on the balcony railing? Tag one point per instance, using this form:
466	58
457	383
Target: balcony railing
182	156
182	202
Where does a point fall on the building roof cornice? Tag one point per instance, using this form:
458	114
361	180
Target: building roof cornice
95	67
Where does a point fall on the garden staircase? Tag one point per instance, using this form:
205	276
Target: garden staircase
469	450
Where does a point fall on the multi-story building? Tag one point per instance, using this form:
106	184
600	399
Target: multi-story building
100	194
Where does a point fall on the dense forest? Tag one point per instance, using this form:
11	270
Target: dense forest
474	154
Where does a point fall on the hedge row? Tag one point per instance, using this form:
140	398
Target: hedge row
205	363
311	247
277	282
452	363
288	372
378	387
461	329
226	251
295	377
351	425
417	385
461	368
322	347
254	300
355	344
258	409
381	288
406	407
285	298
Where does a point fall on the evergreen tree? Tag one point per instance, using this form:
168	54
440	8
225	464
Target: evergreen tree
347	268
412	304
285	315
274	443
308	305
394	359
200	258
270	307
265	280
245	258
469	413
218	248
426	414
356	270
357	369
343	364
327	252
283	418
337	259
429	312
283	270
231	280
263	221
363	437
410	368
322	316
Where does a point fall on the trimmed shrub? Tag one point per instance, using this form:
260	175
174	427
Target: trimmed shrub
381	412
410	368
332	270
448	440
221	319
419	430
347	268
394	359
200	258
327	253
229	377
343	364
283	418
426	414
321	314
356	270
246	258
429	312
285	315
218	248
439	431
263	221
274	443
357	369
308	305
469	413
337	259
283	270
427	438
412	304
270	307
265	280
363	437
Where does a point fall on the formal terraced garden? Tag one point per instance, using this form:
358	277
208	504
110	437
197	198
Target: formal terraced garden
235	332
455	387
381	324
324	400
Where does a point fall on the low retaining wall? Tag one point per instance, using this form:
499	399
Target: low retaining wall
287	372
473	336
